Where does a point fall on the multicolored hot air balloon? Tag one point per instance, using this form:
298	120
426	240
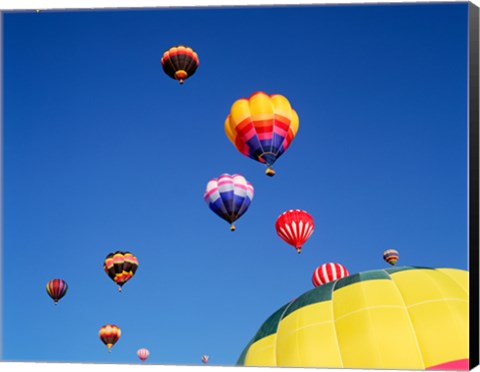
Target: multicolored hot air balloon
391	256
109	334
120	267
205	359
328	272
143	354
262	127
414	318
295	227
229	196
180	62
56	289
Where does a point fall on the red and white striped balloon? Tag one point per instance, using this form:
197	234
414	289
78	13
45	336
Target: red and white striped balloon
143	354
295	227
205	359
328	272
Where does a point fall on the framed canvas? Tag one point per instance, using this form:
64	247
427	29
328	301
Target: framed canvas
276	185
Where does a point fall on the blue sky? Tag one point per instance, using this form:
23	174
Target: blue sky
102	152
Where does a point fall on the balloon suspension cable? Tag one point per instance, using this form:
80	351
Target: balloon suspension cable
270	172
232	227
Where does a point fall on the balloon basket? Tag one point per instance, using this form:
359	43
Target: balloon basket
232	228
270	172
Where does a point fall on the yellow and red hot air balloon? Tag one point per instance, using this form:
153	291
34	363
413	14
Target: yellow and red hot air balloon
295	227
56	289
120	267
109	334
262	127
180	62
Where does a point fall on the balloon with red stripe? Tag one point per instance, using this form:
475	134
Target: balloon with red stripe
56	289
391	256
205	359
328	272
109	334
180	62
143	354
295	227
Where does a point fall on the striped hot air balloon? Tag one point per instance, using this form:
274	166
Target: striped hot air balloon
180	62
120	267
391	256
295	227
328	272
229	196
205	359
143	354
109	334
262	127
56	289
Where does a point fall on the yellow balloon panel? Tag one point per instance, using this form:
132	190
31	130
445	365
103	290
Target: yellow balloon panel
381	337
366	294
460	276
307	338
442	330
426	284
262	352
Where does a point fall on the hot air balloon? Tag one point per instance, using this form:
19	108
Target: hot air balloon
205	359
328	272
120	267
229	196
56	289
391	256
412	318
295	227
143	354
109	334
262	127
180	62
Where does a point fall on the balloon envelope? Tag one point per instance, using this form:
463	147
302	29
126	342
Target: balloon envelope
109	334
143	354
120	267
262	127
295	227
56	289
328	272
395	318
229	196
391	256
180	62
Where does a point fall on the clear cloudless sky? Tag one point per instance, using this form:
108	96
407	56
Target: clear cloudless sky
102	152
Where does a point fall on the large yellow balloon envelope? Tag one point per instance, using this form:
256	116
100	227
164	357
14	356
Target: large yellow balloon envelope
397	318
262	127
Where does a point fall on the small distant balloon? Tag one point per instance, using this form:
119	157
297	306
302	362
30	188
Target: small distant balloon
391	256
205	359
143	354
229	196
109	334
180	62
295	227
120	267
328	272
56	289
